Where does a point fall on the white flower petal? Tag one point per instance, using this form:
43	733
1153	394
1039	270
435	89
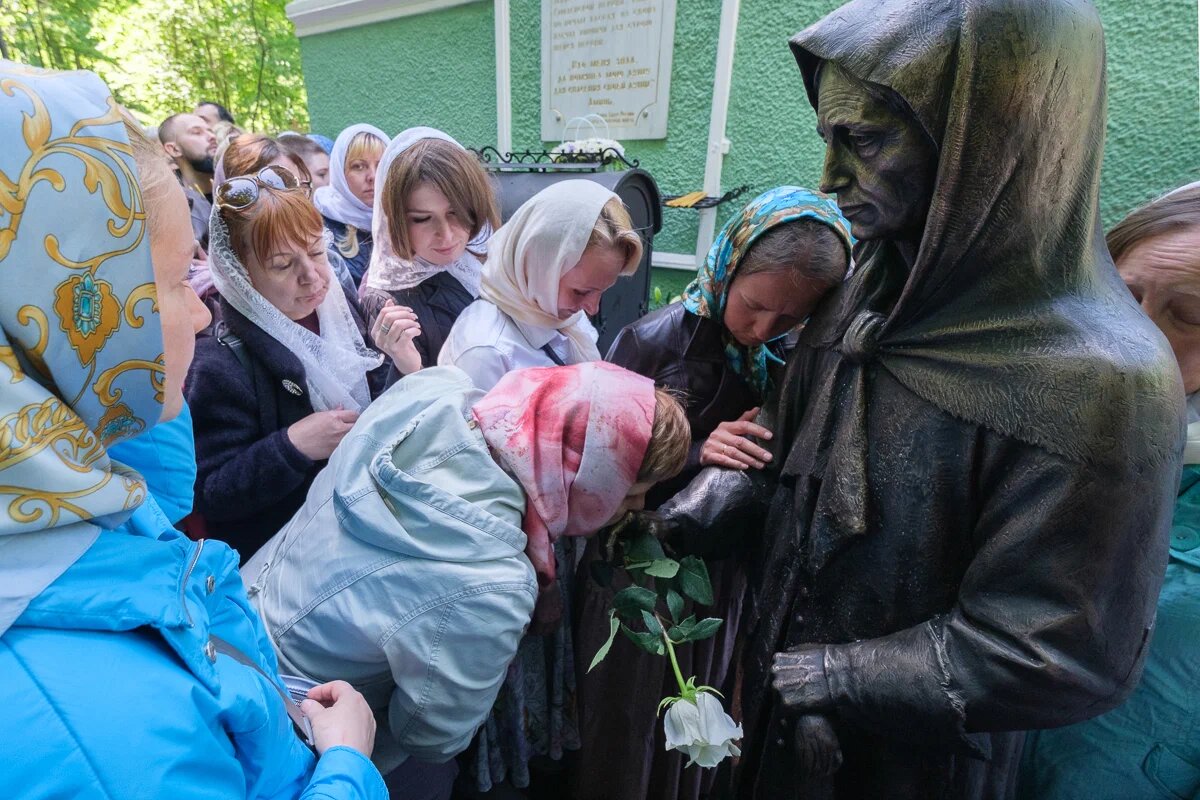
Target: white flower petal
702	730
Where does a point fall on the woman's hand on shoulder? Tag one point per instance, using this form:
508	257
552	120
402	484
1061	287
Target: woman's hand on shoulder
340	717
393	333
319	434
731	445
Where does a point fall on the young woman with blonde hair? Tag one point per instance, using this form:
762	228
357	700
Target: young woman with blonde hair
347	203
546	270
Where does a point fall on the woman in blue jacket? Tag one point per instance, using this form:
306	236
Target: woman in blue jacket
131	664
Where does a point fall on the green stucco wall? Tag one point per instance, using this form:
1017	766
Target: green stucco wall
438	69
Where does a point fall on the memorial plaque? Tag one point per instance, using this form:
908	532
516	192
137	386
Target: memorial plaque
611	58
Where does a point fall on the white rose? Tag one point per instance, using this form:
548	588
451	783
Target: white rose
702	730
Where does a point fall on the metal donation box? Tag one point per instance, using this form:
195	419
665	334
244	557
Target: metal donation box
629	298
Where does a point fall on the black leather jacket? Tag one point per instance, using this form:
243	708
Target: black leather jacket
686	353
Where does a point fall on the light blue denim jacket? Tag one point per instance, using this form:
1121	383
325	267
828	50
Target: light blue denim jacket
404	572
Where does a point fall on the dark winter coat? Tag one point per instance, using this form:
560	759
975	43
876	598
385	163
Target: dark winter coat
250	478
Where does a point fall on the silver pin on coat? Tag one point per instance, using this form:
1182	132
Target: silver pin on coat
293	388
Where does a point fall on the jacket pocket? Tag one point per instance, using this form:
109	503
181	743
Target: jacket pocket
1175	776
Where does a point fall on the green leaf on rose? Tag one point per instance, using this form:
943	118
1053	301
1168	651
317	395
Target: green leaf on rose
644	548
663	568
647	641
613	625
693	579
675	604
681	632
704	629
652	623
632	600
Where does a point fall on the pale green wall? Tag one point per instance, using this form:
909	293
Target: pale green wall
438	69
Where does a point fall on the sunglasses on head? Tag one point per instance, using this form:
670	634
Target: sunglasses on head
243	191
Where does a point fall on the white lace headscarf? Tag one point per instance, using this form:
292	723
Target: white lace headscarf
540	243
336	201
390	272
335	362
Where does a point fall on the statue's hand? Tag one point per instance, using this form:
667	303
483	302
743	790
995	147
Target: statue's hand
799	677
638	523
818	753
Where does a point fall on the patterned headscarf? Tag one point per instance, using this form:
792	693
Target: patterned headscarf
574	438
707	294
81	348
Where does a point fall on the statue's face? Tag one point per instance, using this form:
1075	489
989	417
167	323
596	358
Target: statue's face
878	160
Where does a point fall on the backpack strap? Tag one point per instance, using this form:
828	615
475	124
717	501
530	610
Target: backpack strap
235	343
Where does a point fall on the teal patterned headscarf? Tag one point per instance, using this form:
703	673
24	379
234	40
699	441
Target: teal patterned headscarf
706	295
81	347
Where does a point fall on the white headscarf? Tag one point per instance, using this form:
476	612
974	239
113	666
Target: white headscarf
335	362
390	272
528	256
336	201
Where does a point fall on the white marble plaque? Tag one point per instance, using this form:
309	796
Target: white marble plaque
607	57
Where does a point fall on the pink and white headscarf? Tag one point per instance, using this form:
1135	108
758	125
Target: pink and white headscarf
574	438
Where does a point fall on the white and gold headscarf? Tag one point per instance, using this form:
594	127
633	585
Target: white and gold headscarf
81	349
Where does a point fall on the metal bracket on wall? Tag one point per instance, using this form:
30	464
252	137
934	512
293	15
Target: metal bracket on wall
704	201
545	161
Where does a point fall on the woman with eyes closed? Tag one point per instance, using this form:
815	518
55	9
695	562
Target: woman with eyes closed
288	372
719	349
433	217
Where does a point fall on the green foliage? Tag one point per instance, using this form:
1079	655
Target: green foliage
613	625
693	579
630	602
160	57
650	642
645	561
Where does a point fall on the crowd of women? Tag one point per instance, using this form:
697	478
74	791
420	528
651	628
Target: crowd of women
392	409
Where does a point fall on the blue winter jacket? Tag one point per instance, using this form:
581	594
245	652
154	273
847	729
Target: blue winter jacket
165	455
111	687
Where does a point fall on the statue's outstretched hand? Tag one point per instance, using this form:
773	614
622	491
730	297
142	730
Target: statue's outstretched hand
818	753
639	523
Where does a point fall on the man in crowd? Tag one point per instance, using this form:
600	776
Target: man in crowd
212	113
190	143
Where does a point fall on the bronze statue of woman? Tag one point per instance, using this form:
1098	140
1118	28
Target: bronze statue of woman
977	442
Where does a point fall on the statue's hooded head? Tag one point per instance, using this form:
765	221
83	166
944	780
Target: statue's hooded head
951	124
964	144
879	161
